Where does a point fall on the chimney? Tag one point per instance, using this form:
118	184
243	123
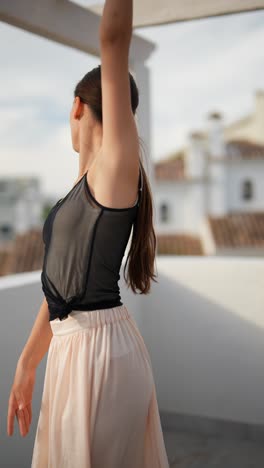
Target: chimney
195	157
216	143
217	171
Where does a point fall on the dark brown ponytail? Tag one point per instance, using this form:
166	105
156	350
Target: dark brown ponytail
142	252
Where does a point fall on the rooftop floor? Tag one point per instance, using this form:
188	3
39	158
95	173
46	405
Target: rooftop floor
187	450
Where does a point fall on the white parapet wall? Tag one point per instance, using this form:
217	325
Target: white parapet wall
203	324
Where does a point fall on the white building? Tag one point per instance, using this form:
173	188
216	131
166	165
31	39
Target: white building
216	180
21	206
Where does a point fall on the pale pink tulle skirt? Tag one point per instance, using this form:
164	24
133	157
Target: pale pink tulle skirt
99	406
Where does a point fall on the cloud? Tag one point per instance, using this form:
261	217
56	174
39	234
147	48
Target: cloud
198	66
36	94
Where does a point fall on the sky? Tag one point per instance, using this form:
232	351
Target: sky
213	64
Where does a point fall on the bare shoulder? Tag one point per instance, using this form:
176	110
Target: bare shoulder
114	183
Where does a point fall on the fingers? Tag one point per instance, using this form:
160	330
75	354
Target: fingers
11	415
21	413
30	413
26	415
21	419
23	416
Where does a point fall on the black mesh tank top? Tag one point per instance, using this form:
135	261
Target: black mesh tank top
84	246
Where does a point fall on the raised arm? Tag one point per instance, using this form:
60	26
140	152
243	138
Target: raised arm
120	142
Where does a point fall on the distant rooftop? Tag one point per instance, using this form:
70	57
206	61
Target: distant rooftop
24	253
245	149
238	229
179	244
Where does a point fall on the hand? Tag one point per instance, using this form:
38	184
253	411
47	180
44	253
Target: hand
20	399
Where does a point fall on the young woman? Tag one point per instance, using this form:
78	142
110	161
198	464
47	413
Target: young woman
99	406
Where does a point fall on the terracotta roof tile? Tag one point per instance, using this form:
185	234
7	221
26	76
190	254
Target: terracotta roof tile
238	229
246	149
172	168
178	244
5	256
25	253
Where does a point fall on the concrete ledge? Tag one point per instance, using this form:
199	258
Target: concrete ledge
211	426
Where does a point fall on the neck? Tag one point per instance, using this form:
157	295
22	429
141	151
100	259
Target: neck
89	151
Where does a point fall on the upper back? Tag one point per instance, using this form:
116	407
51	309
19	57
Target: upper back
85	242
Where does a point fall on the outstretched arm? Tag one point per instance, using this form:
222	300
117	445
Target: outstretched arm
20	399
120	141
116	19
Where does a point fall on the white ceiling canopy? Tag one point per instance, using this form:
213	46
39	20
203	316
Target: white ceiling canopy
157	12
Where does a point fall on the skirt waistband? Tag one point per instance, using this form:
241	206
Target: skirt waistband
80	319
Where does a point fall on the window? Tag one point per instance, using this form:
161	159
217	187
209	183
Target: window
6	229
164	212
247	190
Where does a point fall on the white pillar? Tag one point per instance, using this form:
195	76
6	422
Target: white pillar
141	75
